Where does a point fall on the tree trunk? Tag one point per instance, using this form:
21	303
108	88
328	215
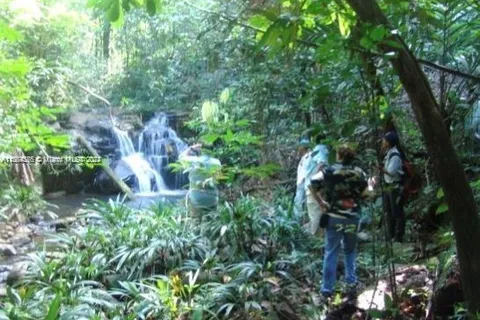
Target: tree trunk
458	194
106	40
108	170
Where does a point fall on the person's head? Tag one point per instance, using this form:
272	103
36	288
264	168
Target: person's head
320	137
390	140
345	154
303	146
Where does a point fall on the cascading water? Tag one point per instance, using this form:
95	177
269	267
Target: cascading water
124	142
144	173
161	146
158	146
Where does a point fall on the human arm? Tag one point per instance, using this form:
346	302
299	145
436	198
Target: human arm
190	151
322	203
314	191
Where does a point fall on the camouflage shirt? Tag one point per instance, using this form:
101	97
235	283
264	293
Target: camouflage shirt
341	187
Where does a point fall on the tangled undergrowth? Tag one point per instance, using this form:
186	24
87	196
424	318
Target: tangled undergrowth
248	260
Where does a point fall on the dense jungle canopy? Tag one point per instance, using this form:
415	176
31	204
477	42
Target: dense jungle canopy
84	80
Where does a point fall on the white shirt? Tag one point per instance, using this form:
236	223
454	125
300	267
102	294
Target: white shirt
393	165
302	169
320	157
199	167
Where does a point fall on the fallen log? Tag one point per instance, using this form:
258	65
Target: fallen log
119	182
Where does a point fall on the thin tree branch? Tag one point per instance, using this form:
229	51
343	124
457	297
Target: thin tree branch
90	92
316	45
448	70
104	100
245	25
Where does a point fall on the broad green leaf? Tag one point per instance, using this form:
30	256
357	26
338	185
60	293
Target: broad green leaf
259	21
378	33
54	309
271	36
316	7
121	19
8	34
366	43
442	208
58	141
440	193
343	25
136	3
92	3
113	13
209	138
153	6
242	123
271	14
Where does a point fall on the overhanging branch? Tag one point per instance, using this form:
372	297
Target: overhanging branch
90	92
448	70
96	96
316	45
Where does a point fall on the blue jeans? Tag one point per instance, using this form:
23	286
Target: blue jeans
339	231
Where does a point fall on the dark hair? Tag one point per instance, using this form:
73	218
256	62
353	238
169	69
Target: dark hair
320	137
392	138
346	154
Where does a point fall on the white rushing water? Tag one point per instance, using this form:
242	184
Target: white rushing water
157	146
149	180
159	143
124	142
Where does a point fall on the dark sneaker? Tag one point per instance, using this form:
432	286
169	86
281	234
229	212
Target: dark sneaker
352	290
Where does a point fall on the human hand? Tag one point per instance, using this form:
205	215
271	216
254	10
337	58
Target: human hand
196	147
372	182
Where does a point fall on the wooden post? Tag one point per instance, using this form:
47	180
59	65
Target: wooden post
107	169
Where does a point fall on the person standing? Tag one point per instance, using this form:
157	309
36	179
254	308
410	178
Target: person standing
393	174
318	159
339	189
203	193
299	201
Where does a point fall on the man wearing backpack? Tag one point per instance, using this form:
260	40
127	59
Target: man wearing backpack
394	177
339	189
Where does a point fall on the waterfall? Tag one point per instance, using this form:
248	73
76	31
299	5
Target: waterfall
144	173
161	145
124	142
158	146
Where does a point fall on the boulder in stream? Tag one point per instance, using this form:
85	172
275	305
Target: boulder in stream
7	250
62	224
20	240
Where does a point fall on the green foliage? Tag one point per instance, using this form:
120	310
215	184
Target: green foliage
188	269
23	121
18	200
232	139
116	9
